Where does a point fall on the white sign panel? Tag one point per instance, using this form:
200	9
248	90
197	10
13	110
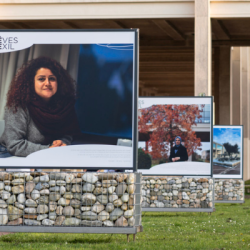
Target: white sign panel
68	99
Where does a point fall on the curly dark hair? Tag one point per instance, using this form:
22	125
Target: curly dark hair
22	90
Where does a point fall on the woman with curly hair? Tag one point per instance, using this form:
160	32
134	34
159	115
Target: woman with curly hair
39	112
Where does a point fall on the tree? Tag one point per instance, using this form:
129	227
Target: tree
196	157
164	123
231	148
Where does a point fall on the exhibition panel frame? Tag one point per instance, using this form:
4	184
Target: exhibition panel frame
103	61
228	135
161	120
228	169
104	64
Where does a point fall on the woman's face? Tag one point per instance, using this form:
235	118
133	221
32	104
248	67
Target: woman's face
177	141
45	83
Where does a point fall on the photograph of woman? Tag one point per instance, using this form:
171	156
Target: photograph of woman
174	135
178	152
39	112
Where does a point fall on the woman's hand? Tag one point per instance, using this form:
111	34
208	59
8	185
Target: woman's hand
57	143
175	159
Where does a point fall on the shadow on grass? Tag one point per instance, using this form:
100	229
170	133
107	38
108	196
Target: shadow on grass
48	238
180	214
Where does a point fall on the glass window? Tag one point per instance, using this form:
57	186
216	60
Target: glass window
205	114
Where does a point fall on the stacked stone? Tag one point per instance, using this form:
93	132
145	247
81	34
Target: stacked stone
229	190
67	199
176	192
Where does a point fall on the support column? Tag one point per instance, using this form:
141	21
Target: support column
235	87
222	85
239	98
244	108
247	129
202	48
216	83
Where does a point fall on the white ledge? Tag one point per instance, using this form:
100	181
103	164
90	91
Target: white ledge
116	9
96	10
87	1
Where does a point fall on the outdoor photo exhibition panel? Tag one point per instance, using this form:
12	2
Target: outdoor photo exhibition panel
228	164
68	99
175	136
228	152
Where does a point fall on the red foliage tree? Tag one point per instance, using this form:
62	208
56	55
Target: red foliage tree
164	123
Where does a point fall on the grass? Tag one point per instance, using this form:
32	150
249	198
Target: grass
227	228
247	182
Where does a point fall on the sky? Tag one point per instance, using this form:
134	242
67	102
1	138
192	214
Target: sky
204	146
230	135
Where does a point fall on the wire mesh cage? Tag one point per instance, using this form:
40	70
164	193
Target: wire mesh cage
177	193
229	191
68	199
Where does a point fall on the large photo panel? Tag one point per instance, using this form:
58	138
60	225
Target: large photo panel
228	152
68	99
175	135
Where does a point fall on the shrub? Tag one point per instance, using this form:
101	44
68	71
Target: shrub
144	160
247	182
163	160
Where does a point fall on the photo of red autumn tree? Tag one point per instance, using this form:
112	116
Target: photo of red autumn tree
164	122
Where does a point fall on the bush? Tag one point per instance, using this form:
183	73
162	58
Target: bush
247	190
163	160
247	182
144	160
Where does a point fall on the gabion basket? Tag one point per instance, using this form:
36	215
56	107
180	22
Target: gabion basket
177	194
54	201
229	191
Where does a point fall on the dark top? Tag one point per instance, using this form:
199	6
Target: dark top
182	153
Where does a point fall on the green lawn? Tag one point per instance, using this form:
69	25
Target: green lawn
227	228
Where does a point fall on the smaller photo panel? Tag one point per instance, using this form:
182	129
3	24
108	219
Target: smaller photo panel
228	152
175	135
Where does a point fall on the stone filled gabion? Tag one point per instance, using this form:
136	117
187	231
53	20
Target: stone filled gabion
229	190
67	199
176	192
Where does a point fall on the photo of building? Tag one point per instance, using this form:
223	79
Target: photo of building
218	150
227	151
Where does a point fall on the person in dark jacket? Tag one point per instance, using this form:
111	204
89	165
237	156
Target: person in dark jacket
178	152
